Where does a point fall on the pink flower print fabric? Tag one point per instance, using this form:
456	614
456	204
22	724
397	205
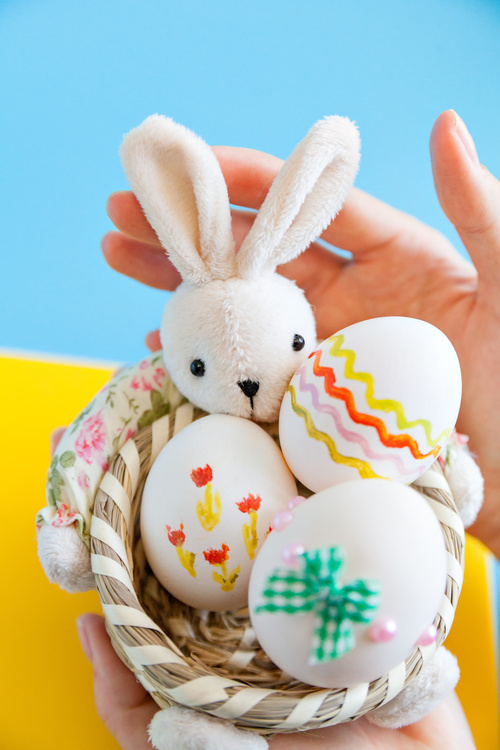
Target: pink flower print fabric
91	441
64	516
135	397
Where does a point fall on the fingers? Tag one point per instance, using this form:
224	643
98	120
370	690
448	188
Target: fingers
248	174
367	224
153	341
149	263
121	702
363	224
140	261
125	212
469	195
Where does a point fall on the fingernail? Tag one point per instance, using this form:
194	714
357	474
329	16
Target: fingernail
466	139
110	199
83	636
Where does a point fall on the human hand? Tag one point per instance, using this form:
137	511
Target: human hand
127	709
399	266
122	704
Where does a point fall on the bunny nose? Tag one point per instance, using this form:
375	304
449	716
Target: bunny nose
249	388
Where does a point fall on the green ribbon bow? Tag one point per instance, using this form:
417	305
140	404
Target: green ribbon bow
316	587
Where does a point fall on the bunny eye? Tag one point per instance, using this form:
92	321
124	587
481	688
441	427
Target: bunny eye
298	342
197	367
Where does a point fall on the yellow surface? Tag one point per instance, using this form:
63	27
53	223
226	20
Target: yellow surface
46	694
46	687
474	644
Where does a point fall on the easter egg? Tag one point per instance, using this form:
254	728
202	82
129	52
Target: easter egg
342	593
206	509
378	399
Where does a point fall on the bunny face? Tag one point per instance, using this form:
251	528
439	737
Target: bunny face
228	353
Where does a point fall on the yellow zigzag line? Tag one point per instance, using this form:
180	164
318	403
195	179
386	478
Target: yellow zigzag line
382	404
364	468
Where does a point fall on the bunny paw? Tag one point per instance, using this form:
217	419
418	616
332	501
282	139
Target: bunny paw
423	694
185	729
466	483
65	558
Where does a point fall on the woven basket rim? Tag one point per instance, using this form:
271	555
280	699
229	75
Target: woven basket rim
159	663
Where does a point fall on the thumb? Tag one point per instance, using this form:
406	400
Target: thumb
469	195
121	702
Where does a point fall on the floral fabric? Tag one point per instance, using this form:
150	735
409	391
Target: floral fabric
135	397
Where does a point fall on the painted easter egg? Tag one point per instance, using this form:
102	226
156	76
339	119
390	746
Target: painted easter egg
378	399
344	591
206	509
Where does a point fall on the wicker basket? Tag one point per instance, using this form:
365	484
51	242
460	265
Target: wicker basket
212	661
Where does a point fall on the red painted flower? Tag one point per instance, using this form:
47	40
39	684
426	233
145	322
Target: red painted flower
216	556
202	477
249	503
177	538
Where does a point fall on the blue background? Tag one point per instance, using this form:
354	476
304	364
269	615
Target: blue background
77	76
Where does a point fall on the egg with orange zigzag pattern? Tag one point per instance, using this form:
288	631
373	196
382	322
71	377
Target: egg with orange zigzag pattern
378	399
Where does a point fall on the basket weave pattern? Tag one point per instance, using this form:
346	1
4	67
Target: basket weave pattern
212	661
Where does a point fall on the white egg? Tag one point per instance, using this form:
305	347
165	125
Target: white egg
379	399
207	506
383	560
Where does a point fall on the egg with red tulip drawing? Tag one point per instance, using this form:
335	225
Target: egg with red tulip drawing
207	507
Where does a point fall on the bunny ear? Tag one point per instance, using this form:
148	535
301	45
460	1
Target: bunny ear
306	195
180	186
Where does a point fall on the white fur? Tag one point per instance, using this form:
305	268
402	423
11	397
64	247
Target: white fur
183	729
233	328
177	179
466	483
307	194
236	315
422	695
65	558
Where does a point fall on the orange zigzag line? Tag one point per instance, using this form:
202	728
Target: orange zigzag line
391	441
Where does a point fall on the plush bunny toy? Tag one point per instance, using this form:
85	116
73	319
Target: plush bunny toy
233	333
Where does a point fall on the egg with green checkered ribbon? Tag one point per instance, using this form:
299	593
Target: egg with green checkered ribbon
341	592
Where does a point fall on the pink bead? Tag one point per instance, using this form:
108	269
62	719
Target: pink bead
291	553
383	631
428	636
294	501
281	520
